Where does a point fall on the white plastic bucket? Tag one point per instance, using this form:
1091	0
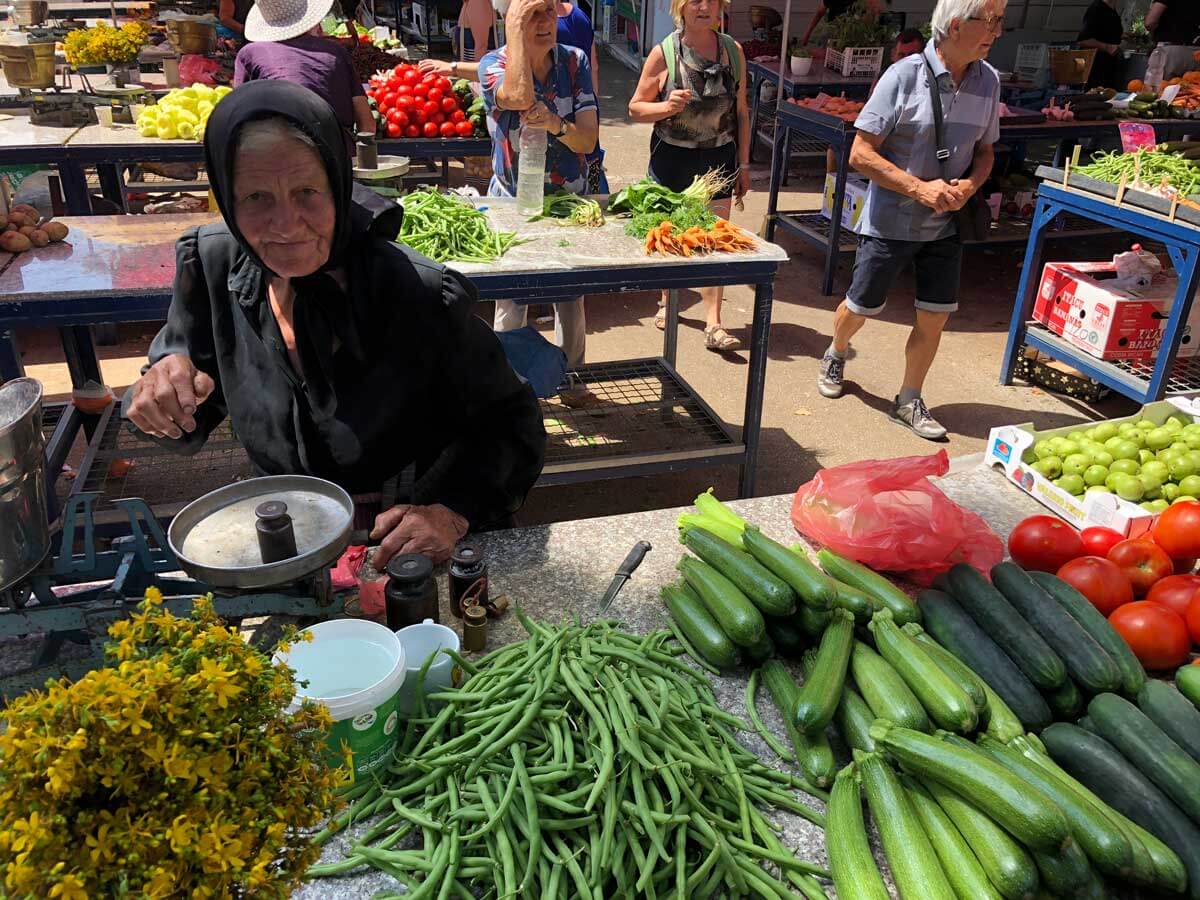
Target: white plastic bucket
420	642
355	668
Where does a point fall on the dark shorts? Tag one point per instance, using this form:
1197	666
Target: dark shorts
675	167
879	263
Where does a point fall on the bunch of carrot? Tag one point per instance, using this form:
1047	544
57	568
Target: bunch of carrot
724	237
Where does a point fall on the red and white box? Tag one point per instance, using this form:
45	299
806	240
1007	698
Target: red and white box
1074	301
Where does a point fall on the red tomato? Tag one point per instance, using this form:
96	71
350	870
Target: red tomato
1184	566
1044	543
446	85
394	130
458	116
431	108
1177	530
401	118
420	89
405	90
1157	636
1143	562
394	116
435	94
1101	581
406	103
1098	541
437	118
430	130
1193	622
449	105
446	129
410	76
392	82
389	97
412	131
417	116
1175	592
464	129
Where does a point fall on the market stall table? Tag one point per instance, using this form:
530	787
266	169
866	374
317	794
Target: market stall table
649	419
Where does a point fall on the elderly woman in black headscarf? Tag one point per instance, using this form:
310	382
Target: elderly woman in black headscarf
333	351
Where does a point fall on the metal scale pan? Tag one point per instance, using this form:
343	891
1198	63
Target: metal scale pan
215	539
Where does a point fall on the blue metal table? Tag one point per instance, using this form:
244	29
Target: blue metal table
1141	381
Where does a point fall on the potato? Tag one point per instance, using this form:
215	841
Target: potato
56	231
19	219
39	238
26	210
15	242
26	230
9	227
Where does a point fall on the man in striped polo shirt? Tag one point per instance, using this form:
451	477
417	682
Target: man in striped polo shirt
908	215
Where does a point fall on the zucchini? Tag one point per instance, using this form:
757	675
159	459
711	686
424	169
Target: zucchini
967	680
915	868
1002	722
1102	841
851	599
1003	624
817	700
1066	703
1065	873
1019	808
1146	746
1099	767
1172	712
1007	864
947	703
738	617
958	633
1187	679
769	593
787	636
809	583
871	583
851	865
853	719
813	752
1133	676
698	626
760	650
884	690
959	863
1086	662
812	621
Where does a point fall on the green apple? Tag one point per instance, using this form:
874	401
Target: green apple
1181	468
1153	491
1076	463
1146	425
1177	420
1093	434
1042	449
1105	430
1192	440
1050	467
1113	477
1138	436
1144	456
1189	486
1170	492
1155	506
1127	449
1159	439
1072	484
1129	487
1126	427
1167	455
1102	458
1156	470
1067	448
1194	456
1181	446
1113	443
1094	475
1183	498
1097	489
1077	436
1125	467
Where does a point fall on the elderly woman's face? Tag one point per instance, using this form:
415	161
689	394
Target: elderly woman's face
284	206
701	13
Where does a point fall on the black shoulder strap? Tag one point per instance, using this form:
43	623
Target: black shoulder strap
939	128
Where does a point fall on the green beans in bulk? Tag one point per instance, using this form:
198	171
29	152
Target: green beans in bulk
447	229
1146	166
582	762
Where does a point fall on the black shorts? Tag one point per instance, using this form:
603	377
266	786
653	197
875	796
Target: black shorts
675	167
879	262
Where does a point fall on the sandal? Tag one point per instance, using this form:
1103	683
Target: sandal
660	319
719	340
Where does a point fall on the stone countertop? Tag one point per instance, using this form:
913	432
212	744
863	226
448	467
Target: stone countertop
18	131
556	571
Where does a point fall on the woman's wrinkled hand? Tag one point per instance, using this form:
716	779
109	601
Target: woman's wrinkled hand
432	530
434	67
165	399
741	186
677	102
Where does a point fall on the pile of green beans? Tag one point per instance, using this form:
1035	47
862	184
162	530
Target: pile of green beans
448	229
1145	167
583	762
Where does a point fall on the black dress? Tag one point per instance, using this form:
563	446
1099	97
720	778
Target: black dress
1103	23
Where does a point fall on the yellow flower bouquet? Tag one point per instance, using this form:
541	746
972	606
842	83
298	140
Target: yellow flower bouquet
175	772
105	45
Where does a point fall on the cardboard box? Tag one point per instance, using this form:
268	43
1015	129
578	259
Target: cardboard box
1074	301
1008	444
852	206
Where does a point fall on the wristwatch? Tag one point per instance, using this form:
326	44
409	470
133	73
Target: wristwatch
454	68
562	128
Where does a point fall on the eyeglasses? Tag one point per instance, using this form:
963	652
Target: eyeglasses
991	23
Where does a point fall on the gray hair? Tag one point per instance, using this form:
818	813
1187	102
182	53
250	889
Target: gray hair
259	134
947	11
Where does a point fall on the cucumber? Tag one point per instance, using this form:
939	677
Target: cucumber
958	633
1147	97
738	617
787	636
959	863
1066	703
1103	842
813	752
770	594
1065	873
854	601
1086	662
817	700
1172	712
698	626
915	868
884	690
967	680
1101	768
871	583
1003	624
1087	724
1187	679
1019	808
812	621
1133	676
1007	864
851	865
809	583
853	719
1146	746
947	703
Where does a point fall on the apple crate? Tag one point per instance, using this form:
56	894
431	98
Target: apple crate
855	61
1011	447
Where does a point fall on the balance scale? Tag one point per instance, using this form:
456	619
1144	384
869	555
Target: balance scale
69	601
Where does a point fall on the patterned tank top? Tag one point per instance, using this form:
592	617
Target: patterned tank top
710	120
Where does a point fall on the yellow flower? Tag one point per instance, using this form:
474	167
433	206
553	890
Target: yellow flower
100	844
26	832
70	888
181	834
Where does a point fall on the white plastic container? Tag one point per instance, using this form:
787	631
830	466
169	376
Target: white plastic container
104	115
531	171
420	642
355	668
801	66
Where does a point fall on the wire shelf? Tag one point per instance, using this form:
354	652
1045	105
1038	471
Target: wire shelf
51	414
1184	377
814	227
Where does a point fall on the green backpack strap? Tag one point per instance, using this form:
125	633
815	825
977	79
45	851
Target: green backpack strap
726	41
668	49
735	58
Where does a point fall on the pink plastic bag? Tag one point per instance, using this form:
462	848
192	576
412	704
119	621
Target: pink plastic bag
194	68
886	514
348	573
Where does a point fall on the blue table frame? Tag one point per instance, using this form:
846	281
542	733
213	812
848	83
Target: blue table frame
1183	245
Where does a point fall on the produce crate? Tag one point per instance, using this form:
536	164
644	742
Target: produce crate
854	61
1071	66
1008	444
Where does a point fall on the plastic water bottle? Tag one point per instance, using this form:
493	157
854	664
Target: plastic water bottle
1155	67
531	171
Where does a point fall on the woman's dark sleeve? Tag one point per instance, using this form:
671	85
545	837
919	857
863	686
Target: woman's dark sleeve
501	442
189	331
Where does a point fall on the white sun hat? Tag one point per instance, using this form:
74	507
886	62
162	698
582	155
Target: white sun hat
279	20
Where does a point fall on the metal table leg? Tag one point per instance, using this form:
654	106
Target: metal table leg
671	332
82	363
74	188
756	385
756	88
1030	275
10	356
1183	259
777	160
446	171
112	184
833	250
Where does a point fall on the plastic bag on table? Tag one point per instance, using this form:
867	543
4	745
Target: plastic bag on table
886	514
195	68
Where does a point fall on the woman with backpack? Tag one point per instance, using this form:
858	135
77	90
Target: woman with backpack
693	90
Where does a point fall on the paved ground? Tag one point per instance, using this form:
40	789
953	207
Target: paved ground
802	431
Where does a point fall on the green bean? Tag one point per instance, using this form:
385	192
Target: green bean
756	720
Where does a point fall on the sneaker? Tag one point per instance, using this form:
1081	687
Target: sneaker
829	379
915	414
